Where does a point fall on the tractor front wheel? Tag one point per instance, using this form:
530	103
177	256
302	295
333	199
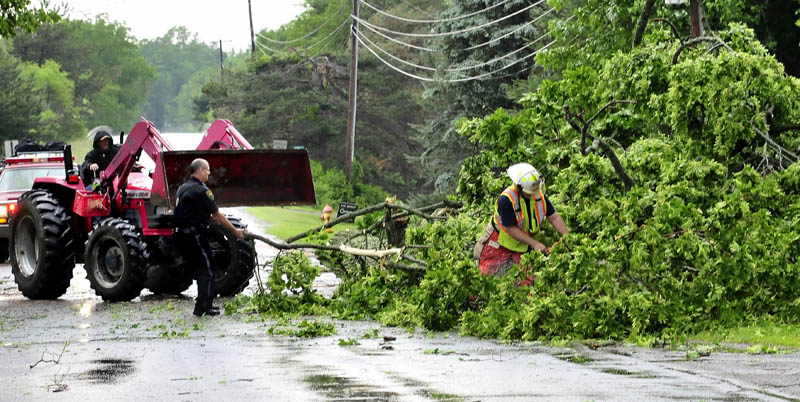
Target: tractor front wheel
116	260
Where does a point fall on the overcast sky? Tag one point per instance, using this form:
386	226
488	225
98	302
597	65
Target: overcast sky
225	20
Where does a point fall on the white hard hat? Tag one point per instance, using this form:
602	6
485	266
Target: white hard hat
525	176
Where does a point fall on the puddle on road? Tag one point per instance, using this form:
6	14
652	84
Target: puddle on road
634	374
423	389
109	371
345	389
572	358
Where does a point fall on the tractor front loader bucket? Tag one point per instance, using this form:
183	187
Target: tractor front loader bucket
239	177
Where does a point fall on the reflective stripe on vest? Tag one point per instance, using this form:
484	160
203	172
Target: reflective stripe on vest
520	213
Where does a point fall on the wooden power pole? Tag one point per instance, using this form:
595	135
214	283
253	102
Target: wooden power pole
221	66
252	34
351	109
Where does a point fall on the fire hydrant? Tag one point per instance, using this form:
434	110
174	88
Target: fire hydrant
326	216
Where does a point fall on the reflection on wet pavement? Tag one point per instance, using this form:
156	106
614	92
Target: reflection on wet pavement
345	389
109	371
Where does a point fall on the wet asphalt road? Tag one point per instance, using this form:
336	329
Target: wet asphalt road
84	349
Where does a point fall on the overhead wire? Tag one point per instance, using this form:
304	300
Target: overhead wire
459	31
512	32
286	42
426	49
327	37
415	7
460	17
471	67
463	79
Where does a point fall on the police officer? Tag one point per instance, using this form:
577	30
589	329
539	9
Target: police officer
194	206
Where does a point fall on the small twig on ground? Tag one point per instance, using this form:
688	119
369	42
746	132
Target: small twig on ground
54	358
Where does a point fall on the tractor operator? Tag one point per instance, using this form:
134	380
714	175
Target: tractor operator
193	208
98	159
516	220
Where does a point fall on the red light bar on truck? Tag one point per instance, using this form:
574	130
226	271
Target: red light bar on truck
17	160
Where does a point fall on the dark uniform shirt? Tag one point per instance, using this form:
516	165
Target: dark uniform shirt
506	210
194	205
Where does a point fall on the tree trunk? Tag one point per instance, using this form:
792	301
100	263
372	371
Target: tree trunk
648	9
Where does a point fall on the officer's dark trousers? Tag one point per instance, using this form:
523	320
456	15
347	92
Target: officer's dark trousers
195	250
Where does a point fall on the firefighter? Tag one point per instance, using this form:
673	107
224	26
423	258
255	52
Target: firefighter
193	208
519	213
98	159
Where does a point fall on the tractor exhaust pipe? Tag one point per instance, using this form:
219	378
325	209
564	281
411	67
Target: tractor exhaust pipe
68	166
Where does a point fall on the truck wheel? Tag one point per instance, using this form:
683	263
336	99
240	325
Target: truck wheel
233	260
42	246
116	260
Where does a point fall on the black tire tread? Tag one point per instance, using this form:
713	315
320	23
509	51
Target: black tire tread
54	270
137	253
239	274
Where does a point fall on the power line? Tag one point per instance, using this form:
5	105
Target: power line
471	67
459	31
262	46
433	21
426	49
464	79
330	34
286	42
512	32
415	7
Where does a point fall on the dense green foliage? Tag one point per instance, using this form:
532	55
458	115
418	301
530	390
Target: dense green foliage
17	14
707	236
702	239
88	74
19	106
332	187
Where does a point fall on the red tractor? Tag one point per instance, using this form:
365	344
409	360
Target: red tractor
122	229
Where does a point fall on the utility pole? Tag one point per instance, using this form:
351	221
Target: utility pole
221	66
351	109
252	34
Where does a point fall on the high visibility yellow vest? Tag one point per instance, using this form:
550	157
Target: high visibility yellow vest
524	223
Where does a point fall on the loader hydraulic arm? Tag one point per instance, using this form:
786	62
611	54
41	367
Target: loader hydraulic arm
143	137
223	135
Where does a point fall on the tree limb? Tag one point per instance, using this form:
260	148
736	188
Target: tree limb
642	24
674	28
777	147
612	156
376	254
360	212
606	106
583	129
694	41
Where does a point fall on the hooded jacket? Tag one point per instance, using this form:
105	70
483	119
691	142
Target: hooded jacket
98	156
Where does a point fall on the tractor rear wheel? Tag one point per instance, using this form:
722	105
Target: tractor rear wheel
233	260
42	246
116	260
